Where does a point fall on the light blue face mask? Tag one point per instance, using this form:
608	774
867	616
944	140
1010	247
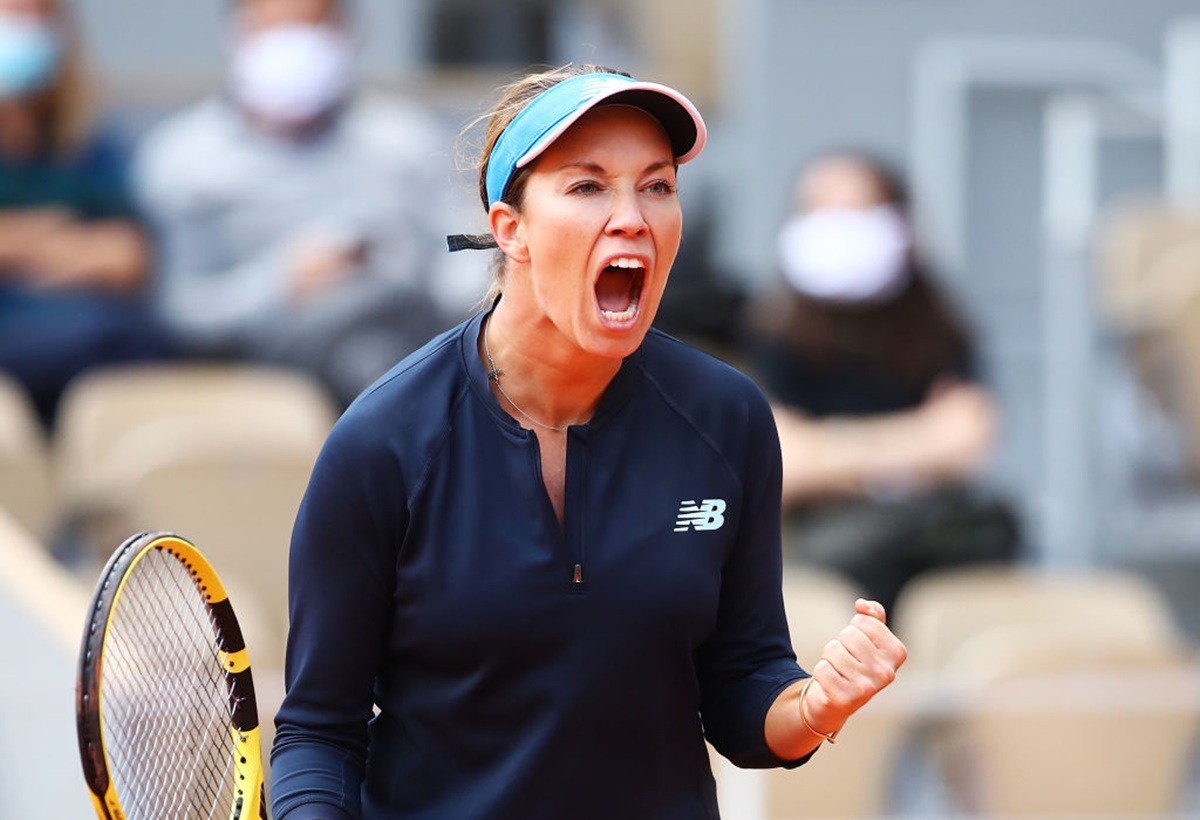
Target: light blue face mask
29	52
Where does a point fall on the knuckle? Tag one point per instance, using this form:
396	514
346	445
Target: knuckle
882	671
868	625
862	691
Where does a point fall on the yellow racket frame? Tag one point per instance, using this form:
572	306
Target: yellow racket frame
249	801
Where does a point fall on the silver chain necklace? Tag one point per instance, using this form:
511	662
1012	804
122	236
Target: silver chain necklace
494	374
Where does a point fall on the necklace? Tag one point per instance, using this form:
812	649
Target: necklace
494	374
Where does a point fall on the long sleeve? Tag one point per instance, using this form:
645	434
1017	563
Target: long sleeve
748	660
341	604
205	290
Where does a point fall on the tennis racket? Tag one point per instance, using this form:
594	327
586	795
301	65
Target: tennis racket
165	709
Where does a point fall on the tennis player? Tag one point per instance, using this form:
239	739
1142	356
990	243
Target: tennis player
538	563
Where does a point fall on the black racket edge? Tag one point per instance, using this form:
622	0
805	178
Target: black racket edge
243	704
87	689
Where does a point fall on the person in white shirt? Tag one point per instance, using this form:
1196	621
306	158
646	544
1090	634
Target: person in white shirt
297	220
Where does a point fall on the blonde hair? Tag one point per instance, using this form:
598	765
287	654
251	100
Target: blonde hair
513	100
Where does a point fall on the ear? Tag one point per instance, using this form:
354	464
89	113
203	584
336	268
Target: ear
505	222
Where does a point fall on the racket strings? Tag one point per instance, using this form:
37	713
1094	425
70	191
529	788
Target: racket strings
165	705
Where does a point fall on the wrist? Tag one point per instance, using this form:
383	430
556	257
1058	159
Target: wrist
804	718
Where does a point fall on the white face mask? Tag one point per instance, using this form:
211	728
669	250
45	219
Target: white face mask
291	74
847	255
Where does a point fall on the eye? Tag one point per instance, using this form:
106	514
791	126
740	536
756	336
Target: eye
585	187
661	187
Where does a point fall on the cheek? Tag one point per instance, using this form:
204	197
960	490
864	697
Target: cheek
666	219
559	273
565	255
669	235
561	252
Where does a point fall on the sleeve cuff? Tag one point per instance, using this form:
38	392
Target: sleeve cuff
316	811
771	760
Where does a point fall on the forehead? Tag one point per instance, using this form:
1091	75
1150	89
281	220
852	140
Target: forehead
39	8
621	129
275	12
841	183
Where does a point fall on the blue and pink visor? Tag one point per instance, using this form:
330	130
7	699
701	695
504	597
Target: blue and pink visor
551	113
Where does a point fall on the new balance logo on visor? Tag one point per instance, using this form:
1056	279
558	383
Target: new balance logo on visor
709	514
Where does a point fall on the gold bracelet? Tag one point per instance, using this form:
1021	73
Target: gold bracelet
832	736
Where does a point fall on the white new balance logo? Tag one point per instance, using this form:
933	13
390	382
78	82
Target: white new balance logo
709	514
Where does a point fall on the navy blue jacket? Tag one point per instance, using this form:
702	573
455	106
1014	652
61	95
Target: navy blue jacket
454	653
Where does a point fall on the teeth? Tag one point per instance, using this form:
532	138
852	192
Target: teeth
626	262
622	315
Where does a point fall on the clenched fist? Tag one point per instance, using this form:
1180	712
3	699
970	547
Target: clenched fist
855	666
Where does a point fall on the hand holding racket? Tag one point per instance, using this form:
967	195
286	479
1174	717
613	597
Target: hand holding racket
165	708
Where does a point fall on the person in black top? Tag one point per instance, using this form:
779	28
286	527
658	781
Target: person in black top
872	373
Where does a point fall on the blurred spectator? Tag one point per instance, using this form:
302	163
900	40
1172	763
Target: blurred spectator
298	220
73	258
882	421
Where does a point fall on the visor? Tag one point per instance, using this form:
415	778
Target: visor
552	112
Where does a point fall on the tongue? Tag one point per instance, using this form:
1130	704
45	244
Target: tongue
614	290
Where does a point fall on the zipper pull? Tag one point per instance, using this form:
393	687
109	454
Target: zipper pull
577	578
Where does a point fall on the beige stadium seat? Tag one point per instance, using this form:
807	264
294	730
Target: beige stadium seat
1149	265
1181	347
26	492
1150	295
109	413
1071	724
1148	258
112	420
851	778
218	454
940	611
237	504
1022	665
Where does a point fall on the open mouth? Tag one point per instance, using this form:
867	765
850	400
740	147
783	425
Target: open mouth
619	289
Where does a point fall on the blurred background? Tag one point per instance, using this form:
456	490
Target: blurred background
1050	156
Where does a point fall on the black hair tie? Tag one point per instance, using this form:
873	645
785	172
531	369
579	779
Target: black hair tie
470	242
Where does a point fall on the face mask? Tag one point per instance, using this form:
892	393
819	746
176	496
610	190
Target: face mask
847	255
291	74
29	52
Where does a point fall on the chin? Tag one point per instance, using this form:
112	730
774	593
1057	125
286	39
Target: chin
621	339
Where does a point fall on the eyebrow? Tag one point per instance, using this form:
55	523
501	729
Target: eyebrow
600	170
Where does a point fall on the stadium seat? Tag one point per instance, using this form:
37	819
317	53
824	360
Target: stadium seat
1040	683
938	612
1056	723
1149	265
219	454
1182	351
26	491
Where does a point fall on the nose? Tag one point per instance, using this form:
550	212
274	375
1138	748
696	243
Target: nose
627	218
